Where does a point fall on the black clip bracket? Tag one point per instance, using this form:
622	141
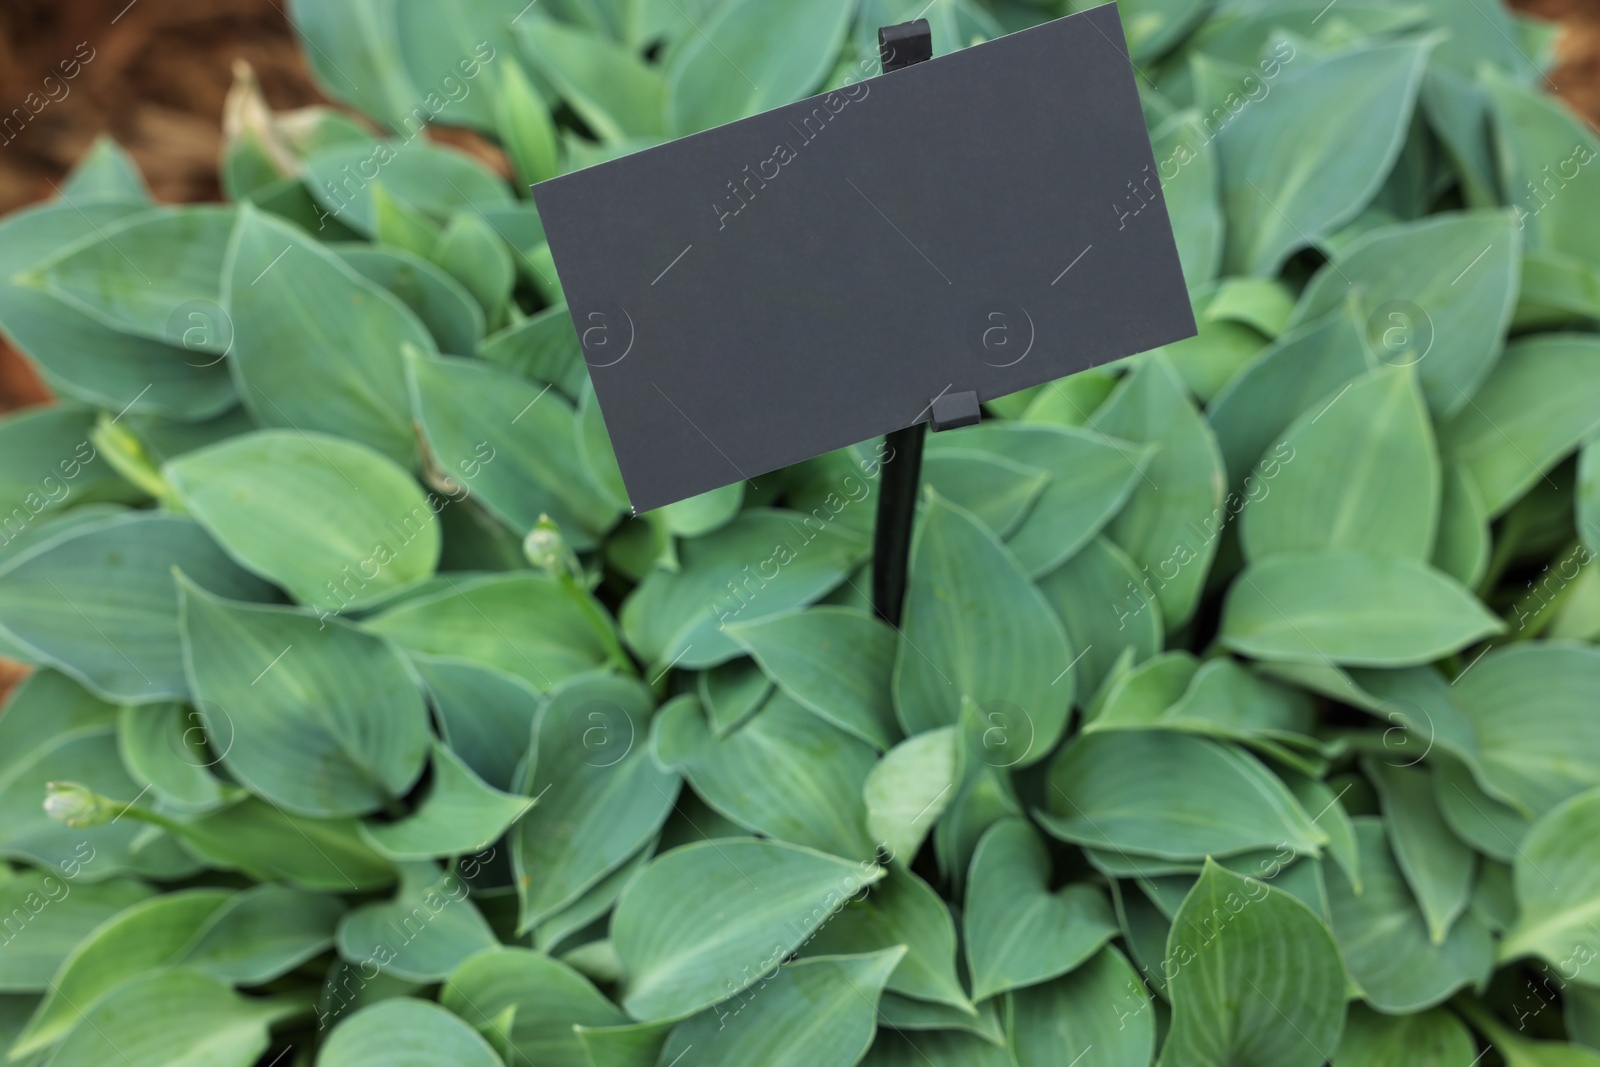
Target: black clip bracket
951	411
903	44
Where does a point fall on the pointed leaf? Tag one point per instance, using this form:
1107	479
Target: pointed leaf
1164	526
1018	932
1347	607
317	717
317	346
1361	474
333	522
121	571
600	796
460	814
704	922
785	773
977	629
1263	986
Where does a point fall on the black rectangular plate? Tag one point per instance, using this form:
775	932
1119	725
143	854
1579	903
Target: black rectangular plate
788	284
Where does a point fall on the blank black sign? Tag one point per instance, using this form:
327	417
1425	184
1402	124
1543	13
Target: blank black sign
798	281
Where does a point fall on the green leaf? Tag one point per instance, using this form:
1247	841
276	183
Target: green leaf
1437	866
1462	548
50	464
81	357
511	444
835	662
908	790
543	347
46	915
1531	711
419	175
599	795
1347	607
316	345
1099	1013
485	715
976	629
765	562
1183	146
1304	159
473	254
446	51
820	1011
905	1013
1544	152
1221	699
423	934
269	844
1215	355
312	513
1091	478
1106	610
173	1019
1260	984
354	51
1017	932
546	1000
263	932
1541	400
616	94
460	814
785	773
1384	938
901	913
105	172
120	570
445	308
1164	526
163	746
316	716
933	1048
752	58
1431	1039
142	938
405	1031
1361	474
1436	294
998	491
523	124
704	922
732	692
595	903
1558	886
527	625
135	273
1134	790
1308	364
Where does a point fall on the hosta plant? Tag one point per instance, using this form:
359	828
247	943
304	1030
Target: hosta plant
1244	708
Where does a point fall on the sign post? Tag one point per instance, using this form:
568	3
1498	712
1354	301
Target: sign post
833	270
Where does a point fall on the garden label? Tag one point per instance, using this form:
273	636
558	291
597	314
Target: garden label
819	274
